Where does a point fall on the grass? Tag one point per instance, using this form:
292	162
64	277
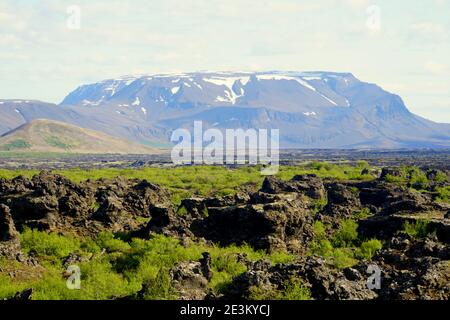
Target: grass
343	247
116	268
45	244
187	181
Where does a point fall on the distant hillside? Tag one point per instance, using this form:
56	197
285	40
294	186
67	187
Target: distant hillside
43	135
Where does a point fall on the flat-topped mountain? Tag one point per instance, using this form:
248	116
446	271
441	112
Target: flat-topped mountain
311	109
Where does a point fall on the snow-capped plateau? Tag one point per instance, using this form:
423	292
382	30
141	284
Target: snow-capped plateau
311	109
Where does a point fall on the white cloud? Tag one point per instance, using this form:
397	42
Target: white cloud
357	4
139	36
436	68
430	30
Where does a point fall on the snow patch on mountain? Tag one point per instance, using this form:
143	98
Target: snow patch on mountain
228	82
136	102
175	90
283	77
325	97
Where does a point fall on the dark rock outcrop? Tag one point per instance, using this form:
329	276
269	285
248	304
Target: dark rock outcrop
22	296
314	273
269	222
310	185
343	200
52	202
190	279
9	237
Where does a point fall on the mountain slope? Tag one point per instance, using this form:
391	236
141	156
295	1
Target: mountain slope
53	136
311	109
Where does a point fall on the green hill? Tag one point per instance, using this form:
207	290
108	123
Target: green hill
44	135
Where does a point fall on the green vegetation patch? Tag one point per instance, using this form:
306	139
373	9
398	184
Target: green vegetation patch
343	247
418	229
59	143
293	290
443	194
18	144
188	181
111	267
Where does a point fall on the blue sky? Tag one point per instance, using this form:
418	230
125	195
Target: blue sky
400	45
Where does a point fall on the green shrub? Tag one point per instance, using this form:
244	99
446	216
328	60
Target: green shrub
363	214
319	230
159	288
182	211
363	164
347	234
368	249
418	229
295	290
319	205
441	177
342	258
107	241
418	178
443	194
48	244
260	293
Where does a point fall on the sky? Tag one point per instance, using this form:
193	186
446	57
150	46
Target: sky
50	47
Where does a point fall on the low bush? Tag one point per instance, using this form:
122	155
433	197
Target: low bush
443	194
418	229
368	249
347	235
48	244
293	290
